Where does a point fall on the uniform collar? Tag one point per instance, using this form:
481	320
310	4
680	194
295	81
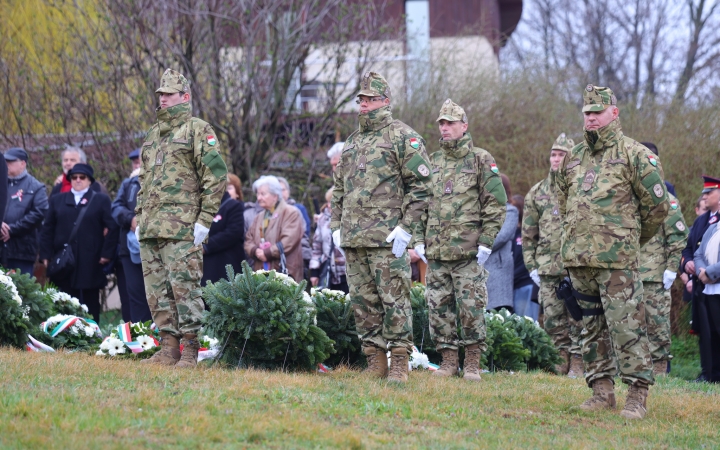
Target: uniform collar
376	120
604	137
457	148
173	116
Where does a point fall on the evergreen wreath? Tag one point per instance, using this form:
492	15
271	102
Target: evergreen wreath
543	354
421	323
336	318
14	323
37	304
505	349
264	319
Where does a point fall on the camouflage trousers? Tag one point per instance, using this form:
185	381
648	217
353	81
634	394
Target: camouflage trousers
457	295
172	271
617	339
657	318
559	324
380	296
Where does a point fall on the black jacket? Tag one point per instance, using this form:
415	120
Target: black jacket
123	210
27	203
521	275
89	244
3	191
698	229
225	241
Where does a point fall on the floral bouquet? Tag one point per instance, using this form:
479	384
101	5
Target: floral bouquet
132	339
68	332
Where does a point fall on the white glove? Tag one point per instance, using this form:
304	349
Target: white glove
483	254
535	277
400	239
137	232
201	232
420	250
668	279
336	238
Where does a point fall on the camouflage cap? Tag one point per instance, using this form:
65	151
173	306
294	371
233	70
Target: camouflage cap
452	112
172	82
563	143
597	98
374	85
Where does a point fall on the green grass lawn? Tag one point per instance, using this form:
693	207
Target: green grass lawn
79	401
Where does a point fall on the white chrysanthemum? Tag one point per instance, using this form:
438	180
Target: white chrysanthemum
7	281
212	343
115	347
89	331
84	307
146	342
419	360
105	344
307	298
75	302
499	317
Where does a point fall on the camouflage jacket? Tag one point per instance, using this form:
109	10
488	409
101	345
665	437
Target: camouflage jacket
542	229
182	178
664	250
381	181
468	203
612	199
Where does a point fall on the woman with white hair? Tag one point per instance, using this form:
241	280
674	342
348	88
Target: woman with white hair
276	231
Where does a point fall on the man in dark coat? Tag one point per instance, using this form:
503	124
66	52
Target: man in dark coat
26	205
225	241
123	211
69	157
91	246
700	324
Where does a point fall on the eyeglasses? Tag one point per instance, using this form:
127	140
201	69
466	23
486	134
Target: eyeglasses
369	100
78	177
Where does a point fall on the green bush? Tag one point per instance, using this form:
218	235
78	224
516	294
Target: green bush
266	320
336	318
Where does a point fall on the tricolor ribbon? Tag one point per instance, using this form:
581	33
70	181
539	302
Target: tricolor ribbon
322	368
67	323
124	335
36	346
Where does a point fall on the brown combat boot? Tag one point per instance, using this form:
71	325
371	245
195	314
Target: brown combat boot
377	362
169	353
636	403
190	352
576	367
562	368
660	368
471	366
398	365
603	396
449	364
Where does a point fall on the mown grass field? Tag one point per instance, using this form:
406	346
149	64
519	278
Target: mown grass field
79	401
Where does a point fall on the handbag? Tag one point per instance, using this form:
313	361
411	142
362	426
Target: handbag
283	261
325	269
62	263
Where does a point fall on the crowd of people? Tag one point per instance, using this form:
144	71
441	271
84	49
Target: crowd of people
604	223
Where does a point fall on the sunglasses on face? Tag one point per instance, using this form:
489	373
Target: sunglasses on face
78	177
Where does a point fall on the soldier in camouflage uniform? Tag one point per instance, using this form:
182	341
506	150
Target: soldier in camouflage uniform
541	232
659	260
612	199
182	180
380	196
465	214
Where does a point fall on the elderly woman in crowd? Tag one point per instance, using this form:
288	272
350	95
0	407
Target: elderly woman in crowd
279	223
321	253
225	244
93	244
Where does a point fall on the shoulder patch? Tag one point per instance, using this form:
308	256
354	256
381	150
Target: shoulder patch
414	143
419	166
494	168
674	204
211	140
573	163
658	190
495	187
653	159
680	225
